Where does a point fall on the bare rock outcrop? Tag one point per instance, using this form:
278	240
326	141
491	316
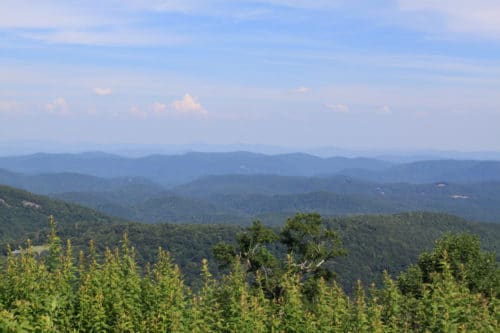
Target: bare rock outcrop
4	203
29	204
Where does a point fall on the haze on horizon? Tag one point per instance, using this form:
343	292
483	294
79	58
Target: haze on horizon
388	74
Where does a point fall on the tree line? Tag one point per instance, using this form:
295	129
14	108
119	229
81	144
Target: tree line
453	288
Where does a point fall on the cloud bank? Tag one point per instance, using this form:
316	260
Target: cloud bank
189	105
103	91
59	106
8	107
338	108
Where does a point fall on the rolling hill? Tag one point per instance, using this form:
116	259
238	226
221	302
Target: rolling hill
170	170
375	242
455	171
23	213
237	199
69	182
338	195
161	207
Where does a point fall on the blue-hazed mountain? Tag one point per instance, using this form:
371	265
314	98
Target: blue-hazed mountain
272	184
170	170
128	197
69	182
240	198
161	207
177	169
338	195
244	195
456	171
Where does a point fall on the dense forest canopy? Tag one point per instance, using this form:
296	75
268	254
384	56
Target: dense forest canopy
452	288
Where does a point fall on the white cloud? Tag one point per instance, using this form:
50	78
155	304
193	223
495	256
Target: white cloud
301	90
386	109
479	17
159	108
101	23
50	14
166	5
304	4
189	105
339	108
135	111
156	109
59	106
105	38
8	107
103	91
220	6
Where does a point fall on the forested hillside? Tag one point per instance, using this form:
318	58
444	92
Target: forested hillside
156	208
455	287
243	197
41	291
375	242
22	212
456	171
238	187
68	182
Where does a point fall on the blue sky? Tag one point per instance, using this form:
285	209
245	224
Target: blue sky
382	74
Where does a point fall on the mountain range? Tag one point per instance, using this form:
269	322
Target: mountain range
236	188
169	170
172	170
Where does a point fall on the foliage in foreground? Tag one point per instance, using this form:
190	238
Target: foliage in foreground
58	293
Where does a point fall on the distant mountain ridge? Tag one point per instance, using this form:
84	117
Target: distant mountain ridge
237	187
341	195
271	184
158	208
456	171
239	198
68	182
177	169
172	170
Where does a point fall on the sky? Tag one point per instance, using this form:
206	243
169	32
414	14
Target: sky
370	74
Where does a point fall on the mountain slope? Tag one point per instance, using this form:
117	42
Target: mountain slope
176	169
69	182
23	213
344	195
455	171
160	207
392	242
234	204
271	184
375	242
